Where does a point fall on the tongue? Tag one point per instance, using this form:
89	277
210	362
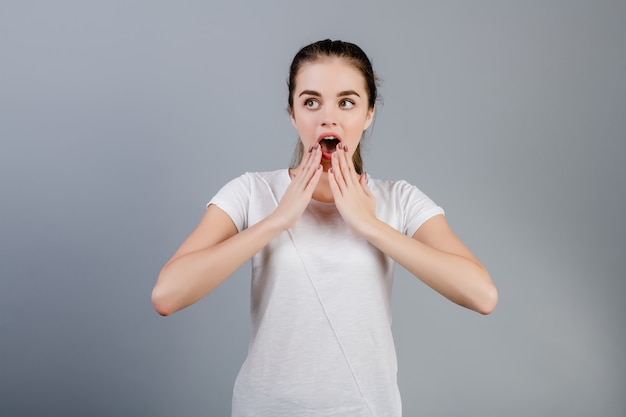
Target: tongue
328	146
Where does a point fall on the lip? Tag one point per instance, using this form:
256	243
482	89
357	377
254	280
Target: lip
325	155
323	135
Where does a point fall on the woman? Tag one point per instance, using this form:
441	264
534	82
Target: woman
323	237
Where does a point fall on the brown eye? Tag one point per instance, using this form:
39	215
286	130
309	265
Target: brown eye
311	104
346	104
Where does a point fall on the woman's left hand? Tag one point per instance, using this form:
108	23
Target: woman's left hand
353	198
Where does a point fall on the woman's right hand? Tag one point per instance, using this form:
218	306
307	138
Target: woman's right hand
215	249
300	191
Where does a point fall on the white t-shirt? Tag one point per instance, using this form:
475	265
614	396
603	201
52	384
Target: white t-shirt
321	341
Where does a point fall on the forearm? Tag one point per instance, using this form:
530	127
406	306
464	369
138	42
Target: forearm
188	278
457	278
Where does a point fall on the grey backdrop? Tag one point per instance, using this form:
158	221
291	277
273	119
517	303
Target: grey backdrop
120	119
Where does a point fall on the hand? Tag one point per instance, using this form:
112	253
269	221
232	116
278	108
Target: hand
353	198
300	191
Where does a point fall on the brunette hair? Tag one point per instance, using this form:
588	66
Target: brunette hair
333	49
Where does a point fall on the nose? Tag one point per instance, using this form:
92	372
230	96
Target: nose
329	117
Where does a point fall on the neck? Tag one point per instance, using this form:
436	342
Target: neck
322	191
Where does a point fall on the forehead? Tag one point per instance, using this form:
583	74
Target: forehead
330	74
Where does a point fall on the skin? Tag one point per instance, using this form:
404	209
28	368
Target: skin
330	99
329	96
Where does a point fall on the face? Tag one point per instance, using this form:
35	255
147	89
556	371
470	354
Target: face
330	106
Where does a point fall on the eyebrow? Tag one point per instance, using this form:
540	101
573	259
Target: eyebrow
340	94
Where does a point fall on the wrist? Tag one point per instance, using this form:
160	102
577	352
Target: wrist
277	222
370	229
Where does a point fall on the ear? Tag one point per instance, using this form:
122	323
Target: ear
292	117
369	118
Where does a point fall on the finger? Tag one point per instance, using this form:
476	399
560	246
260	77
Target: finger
336	171
314	180
364	186
347	167
315	159
350	160
313	165
346	163
310	164
334	185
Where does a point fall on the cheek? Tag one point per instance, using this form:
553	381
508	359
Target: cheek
358	124
304	124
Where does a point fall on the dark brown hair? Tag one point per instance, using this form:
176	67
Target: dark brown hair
333	49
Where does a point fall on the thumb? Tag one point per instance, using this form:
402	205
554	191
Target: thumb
363	182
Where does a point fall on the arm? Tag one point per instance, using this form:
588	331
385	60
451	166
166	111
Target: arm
438	257
434	253
215	250
212	252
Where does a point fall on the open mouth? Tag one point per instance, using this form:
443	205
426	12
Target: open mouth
328	145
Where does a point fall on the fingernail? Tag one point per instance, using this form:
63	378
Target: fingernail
317	145
345	148
310	149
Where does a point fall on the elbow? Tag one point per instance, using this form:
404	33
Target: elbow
488	301
163	295
160	303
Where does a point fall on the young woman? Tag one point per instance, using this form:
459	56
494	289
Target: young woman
323	237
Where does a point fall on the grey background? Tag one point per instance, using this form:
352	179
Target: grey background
120	119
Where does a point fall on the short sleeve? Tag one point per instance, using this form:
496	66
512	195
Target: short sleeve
416	207
234	199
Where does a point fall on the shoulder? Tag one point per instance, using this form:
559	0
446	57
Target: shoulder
255	186
252	180
270	177
249	194
393	189
404	203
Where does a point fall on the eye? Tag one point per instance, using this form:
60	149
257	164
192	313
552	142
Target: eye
346	104
311	104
